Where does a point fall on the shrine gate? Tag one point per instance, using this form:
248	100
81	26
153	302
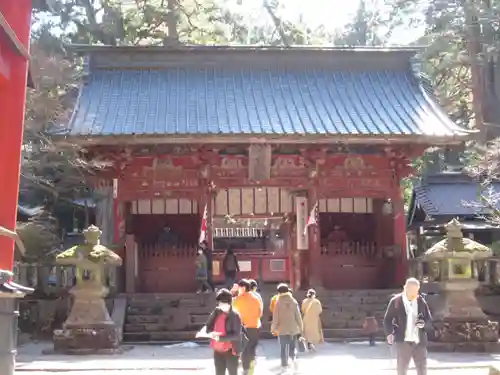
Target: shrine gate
258	136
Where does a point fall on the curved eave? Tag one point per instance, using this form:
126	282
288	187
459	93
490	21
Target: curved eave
269	139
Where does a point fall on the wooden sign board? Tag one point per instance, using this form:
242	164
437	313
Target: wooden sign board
302	211
259	162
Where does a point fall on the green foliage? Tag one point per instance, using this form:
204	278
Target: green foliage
40	237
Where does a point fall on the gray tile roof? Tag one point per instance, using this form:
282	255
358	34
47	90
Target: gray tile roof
450	199
212	101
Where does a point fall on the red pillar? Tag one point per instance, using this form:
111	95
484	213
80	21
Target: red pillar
400	237
12	98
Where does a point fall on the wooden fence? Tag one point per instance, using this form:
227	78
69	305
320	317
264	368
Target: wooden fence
55	279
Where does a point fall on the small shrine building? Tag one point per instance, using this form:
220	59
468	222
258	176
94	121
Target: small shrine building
259	136
441	197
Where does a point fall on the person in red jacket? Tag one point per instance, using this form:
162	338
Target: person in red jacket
226	332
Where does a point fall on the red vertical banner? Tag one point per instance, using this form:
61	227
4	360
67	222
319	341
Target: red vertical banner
13	98
315	268
205	203
400	238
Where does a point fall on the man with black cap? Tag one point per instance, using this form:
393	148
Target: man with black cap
226	332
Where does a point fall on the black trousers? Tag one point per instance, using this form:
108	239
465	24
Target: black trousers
249	352
371	338
405	351
210	282
225	361
287	348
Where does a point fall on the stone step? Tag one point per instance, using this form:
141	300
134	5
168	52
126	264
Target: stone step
358	293
355	307
352	300
163	319
347	333
162	336
158	327
177	317
156	307
165	310
331	335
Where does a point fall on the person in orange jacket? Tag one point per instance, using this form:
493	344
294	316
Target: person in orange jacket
248	305
272	306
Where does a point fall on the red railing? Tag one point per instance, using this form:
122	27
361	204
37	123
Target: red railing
351	248
164	269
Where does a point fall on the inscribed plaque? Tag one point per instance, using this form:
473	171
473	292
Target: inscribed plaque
245	265
259	164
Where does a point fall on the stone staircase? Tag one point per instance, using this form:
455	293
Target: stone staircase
344	312
161	318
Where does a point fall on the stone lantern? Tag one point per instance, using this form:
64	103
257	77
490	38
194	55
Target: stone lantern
89	327
460	324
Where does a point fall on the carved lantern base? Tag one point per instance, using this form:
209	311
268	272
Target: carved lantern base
90	340
89	328
459	323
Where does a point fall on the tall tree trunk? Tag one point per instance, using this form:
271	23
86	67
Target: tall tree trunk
474	49
171	19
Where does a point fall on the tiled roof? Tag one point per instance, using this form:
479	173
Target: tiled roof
450	199
213	100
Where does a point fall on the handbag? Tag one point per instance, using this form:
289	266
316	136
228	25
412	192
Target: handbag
301	344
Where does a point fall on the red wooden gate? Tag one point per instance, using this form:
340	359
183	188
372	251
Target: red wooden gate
352	265
172	270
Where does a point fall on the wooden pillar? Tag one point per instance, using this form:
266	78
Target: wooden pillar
315	268
130	264
14	72
401	271
130	257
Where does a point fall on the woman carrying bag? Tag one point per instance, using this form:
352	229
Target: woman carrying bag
226	333
311	311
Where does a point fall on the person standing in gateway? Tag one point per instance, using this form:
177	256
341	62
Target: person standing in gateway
230	267
405	322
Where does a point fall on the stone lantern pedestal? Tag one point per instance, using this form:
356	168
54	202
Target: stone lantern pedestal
89	328
459	322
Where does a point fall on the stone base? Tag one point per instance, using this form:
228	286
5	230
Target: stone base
465	330
464	347
494	370
87	340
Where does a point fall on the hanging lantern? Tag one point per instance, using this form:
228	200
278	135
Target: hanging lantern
387	207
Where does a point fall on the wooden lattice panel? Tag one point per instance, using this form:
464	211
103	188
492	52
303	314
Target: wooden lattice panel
171	206
257	201
346	205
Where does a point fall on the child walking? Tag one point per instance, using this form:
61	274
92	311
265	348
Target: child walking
370	327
